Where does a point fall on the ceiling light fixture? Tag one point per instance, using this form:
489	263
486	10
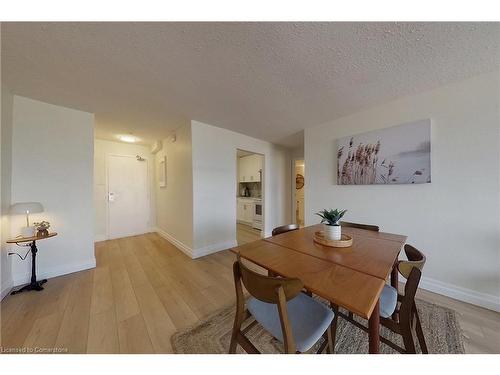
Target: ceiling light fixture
127	138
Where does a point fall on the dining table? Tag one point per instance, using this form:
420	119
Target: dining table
350	277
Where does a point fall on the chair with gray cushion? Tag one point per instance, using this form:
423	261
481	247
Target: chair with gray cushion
347	224
402	304
293	318
284	229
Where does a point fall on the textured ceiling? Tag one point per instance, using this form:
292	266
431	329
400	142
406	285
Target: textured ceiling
267	80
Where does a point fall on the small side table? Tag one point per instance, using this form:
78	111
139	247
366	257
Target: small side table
33	285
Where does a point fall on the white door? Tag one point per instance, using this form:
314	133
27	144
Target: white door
128	198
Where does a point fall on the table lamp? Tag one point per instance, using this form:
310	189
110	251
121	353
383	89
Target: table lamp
26	208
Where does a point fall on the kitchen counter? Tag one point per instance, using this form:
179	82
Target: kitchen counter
254	199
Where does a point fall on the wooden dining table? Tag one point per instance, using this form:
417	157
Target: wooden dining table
350	277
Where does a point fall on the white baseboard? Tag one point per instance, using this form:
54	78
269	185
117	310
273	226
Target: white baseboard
473	297
199	252
100	237
210	249
178	244
60	270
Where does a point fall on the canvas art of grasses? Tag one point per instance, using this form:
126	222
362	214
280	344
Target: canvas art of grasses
395	155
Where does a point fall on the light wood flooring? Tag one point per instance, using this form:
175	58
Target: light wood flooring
143	290
245	234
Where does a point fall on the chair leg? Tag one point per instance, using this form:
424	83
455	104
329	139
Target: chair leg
234	342
238	321
335	309
420	333
324	345
408	337
330	347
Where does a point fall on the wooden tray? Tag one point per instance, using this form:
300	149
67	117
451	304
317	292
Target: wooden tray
345	240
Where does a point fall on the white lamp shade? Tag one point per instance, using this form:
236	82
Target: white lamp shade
26	207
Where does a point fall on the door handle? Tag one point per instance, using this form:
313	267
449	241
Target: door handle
111	197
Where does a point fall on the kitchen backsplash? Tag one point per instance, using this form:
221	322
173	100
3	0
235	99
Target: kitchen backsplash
254	189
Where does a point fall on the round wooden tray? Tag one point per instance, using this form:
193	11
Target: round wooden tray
345	240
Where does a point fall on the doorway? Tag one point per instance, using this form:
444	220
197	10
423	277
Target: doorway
298	191
128	196
249	196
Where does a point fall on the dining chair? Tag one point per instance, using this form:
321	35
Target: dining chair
293	318
284	229
347	224
402	304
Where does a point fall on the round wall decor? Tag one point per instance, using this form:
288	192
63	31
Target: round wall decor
299	181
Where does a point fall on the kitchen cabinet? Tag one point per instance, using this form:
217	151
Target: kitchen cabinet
245	210
250	168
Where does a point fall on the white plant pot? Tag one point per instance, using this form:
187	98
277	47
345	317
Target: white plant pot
332	232
28	231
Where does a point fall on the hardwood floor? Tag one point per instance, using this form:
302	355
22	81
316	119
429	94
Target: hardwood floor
143	290
245	234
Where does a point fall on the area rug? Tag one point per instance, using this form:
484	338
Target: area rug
212	336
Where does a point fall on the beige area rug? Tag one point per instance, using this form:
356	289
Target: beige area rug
212	336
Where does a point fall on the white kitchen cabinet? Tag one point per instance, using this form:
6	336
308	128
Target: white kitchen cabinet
250	168
245	211
244	169
240	212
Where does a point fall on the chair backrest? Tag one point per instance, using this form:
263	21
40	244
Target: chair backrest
284	229
416	259
276	290
408	300
265	288
348	224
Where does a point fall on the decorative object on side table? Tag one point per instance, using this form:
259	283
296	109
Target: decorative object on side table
42	228
330	219
26	208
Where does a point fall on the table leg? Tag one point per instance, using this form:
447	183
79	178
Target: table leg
374	330
395	284
34	284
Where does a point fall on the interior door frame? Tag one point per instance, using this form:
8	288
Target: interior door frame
262	187
148	189
294	203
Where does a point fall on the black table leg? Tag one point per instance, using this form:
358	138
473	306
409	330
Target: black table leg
33	285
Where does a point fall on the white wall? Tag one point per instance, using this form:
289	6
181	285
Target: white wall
214	189
52	163
455	220
174	203
102	148
7	102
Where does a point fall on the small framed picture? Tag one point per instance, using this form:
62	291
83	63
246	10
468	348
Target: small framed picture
162	172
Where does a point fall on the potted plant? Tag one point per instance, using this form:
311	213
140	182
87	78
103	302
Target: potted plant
330	219
42	228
